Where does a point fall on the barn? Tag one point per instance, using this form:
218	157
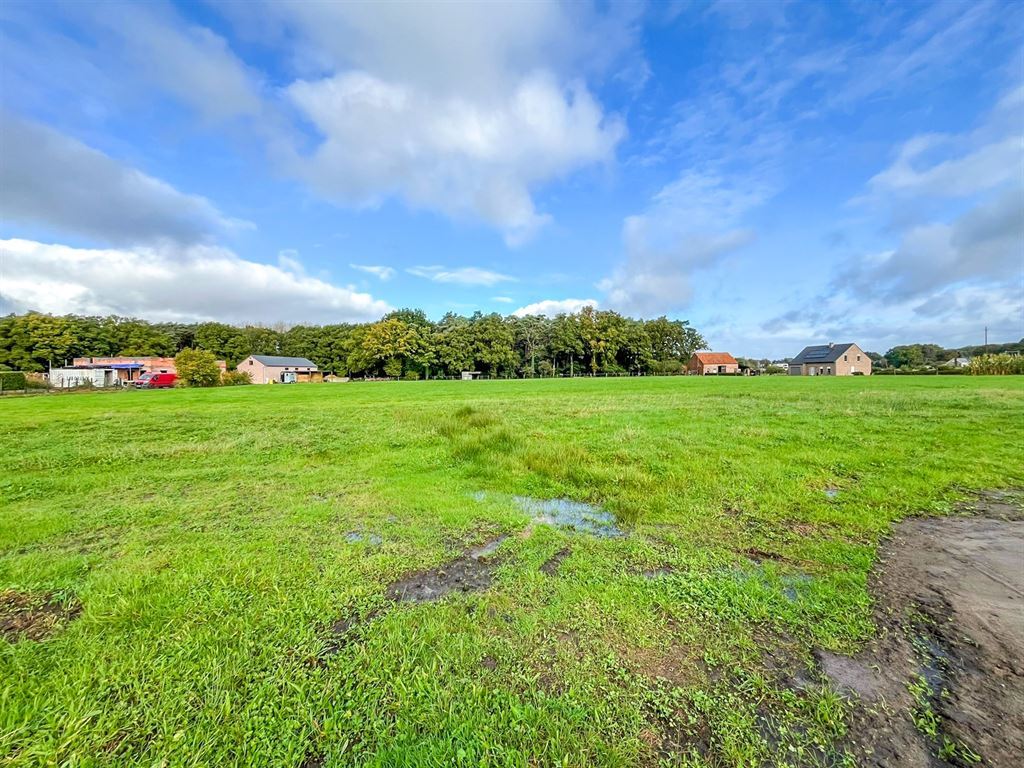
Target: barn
712	363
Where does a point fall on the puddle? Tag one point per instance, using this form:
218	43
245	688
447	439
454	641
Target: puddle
658	573
355	537
487	549
553	563
472	572
572	515
791	583
28	616
831	492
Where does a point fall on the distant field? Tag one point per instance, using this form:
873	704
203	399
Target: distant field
229	576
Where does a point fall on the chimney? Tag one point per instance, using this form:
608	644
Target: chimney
831	344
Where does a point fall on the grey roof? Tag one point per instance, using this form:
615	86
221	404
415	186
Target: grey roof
822	353
278	362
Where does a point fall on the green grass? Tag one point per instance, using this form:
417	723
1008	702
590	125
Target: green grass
203	535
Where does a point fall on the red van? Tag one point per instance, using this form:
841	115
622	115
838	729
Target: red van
156	380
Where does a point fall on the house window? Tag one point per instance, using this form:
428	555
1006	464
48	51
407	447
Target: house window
250	362
846	358
858	358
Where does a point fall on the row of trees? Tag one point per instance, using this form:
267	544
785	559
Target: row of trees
931	355
404	343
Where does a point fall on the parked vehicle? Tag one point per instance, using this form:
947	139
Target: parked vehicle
156	380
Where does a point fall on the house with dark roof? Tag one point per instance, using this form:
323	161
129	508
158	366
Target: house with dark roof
705	363
271	369
831	360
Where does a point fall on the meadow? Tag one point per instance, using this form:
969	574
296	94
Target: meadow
238	576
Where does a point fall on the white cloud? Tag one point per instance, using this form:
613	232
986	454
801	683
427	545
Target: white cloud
50	179
447	152
689	225
196	283
461	275
978	170
503	299
553	307
956	205
381	272
190	62
458	108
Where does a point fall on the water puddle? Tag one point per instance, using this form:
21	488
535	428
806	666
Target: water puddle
571	515
658	573
831	492
356	537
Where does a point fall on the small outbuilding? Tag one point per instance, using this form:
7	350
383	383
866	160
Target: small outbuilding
831	360
469	375
712	363
271	369
70	377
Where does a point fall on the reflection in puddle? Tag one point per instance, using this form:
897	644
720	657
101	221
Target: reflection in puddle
574	515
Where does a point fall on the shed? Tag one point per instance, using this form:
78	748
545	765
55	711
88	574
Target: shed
271	369
712	363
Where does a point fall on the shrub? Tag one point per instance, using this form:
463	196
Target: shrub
197	368
666	367
11	380
412	376
235	378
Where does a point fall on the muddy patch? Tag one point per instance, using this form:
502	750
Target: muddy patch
34	616
472	572
943	682
759	556
345	630
553	563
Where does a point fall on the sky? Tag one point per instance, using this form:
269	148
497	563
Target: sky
779	174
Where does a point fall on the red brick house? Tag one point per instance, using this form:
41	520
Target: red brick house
711	363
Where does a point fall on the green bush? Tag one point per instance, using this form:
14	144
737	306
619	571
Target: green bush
197	368
235	378
12	380
412	376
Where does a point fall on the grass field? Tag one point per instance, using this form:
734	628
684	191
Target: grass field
218	593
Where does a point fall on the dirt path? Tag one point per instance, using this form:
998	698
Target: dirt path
943	684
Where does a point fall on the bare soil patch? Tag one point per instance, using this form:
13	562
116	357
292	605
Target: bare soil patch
943	682
33	616
472	572
553	563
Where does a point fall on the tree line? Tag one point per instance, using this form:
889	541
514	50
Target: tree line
403	344
930	355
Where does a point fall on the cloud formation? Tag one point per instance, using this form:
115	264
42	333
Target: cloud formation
200	283
553	307
461	275
690	225
381	272
453	107
49	179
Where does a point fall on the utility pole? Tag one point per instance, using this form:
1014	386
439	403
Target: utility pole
986	338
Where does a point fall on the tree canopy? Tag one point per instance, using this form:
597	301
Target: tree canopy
403	343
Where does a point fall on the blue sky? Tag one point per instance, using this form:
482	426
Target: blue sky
777	173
